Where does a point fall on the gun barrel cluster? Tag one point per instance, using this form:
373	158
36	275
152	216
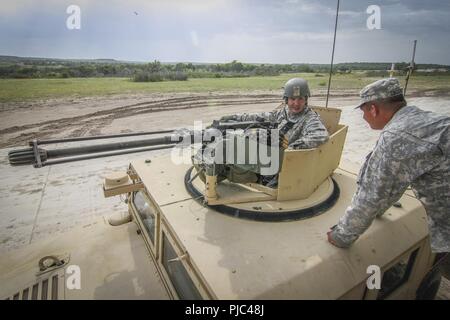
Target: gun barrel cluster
39	157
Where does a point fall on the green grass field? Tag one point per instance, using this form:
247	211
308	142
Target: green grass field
14	90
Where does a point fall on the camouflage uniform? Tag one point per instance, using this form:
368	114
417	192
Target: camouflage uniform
413	149
307	131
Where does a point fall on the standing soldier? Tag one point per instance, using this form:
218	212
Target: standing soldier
413	149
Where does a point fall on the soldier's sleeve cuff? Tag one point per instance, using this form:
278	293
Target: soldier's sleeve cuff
336	240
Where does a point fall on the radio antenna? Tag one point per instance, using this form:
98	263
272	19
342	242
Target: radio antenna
410	68
332	54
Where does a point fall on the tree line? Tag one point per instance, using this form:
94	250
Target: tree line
16	67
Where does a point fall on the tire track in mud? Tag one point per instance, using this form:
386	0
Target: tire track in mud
91	123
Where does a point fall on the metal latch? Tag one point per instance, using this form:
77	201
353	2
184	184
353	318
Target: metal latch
52	262
119	183
179	258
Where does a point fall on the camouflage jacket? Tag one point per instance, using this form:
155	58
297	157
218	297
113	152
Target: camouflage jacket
307	132
413	149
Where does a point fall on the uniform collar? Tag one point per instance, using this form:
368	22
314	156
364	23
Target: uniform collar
398	116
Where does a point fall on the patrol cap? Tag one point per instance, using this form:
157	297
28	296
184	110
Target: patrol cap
381	89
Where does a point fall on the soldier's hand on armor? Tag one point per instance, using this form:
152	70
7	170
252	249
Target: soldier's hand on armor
335	242
284	142
330	238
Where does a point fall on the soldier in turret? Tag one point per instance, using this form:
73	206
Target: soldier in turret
300	125
307	131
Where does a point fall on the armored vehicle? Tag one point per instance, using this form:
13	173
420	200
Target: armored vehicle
207	231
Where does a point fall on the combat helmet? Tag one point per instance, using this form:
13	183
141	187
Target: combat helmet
296	87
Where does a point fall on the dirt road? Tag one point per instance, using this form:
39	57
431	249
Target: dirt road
91	117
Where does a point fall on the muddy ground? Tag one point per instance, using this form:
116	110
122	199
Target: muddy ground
74	117
21	122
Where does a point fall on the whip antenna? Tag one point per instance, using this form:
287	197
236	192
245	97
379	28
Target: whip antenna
332	54
410	68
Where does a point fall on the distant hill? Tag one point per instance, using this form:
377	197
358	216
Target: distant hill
317	66
37	60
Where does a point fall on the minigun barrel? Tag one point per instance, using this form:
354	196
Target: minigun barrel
74	151
120	135
40	157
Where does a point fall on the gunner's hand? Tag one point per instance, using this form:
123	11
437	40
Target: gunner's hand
228	118
284	142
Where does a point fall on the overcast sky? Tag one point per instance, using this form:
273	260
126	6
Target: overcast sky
283	31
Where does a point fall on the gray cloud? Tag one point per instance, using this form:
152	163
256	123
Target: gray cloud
218	30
